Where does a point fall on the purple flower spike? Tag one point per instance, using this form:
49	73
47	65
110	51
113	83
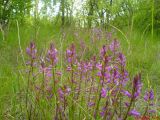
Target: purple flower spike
103	51
134	113
102	80
151	111
99	66
91	104
126	104
45	70
63	91
149	95
99	74
102	113
126	93
58	73
103	92
122	59
52	55
71	54
69	68
114	45
137	85
31	50
84	67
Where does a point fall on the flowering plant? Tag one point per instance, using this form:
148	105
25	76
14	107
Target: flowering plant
97	88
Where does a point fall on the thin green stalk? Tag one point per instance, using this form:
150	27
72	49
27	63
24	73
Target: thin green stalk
28	85
99	91
152	32
130	105
54	90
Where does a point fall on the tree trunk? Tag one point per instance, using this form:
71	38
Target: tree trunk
63	12
90	14
36	18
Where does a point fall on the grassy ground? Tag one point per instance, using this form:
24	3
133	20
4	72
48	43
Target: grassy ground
143	56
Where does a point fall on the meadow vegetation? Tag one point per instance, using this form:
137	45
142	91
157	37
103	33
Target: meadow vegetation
99	62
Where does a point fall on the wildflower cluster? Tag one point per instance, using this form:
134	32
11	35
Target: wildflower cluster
94	88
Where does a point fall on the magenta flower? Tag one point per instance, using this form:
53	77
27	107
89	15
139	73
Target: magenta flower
122	59
31	50
71	54
103	92
126	93
108	68
114	45
102	113
101	81
63	91
83	67
90	66
45	70
137	85
151	111
126	104
125	77
99	66
134	113
69	68
99	74
149	95
58	73
103	51
52	55
91	104
107	76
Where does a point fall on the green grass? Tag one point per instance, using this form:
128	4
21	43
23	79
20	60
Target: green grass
144	57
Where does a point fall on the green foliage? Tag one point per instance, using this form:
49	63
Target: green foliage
14	9
139	20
